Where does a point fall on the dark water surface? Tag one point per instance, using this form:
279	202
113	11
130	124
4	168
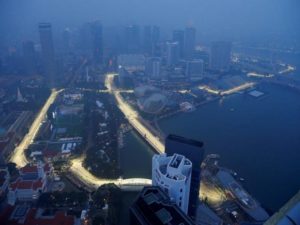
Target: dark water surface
258	138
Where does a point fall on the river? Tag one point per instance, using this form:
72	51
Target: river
259	138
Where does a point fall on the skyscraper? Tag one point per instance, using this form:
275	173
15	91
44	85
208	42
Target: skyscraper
147	39
173	175
178	36
189	42
220	55
48	57
66	38
29	55
150	39
152	67
132	39
153	207
194	69
194	151
97	42
172	53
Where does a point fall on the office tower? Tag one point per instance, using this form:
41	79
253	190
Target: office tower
29	55
66	38
194	69
97	42
150	39
194	151
172	53
48	57
153	207
189	42
132	39
220	55
156	47
155	34
85	39
178	36
147	40
173	175
152	67
202	55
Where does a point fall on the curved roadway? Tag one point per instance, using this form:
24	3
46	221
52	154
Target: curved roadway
18	155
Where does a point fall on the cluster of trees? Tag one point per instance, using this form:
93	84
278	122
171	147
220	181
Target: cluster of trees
106	205
102	158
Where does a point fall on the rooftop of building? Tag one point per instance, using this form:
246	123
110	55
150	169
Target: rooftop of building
34	168
173	167
185	140
153	206
289	214
24	214
21	184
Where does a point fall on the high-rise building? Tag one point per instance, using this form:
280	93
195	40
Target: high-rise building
29	55
194	151
147	39
189	42
173	175
85	39
155	34
220	55
153	207
172	53
194	69
150	39
152	67
48	57
132	39
178	36
97	42
66	38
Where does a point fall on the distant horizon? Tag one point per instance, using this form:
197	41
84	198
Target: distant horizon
231	19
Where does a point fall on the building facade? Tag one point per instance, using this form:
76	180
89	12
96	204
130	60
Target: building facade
48	56
220	56
194	151
173	175
172	53
195	69
152	67
30	184
189	43
153	207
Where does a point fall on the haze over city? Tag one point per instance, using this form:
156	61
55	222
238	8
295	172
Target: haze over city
139	112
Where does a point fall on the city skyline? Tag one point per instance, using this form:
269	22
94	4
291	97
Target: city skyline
149	112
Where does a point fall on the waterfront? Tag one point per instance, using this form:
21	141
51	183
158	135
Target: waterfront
257	137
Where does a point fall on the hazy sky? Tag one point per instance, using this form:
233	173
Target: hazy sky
19	18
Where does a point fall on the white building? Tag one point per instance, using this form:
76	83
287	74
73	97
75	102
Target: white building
173	175
30	184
